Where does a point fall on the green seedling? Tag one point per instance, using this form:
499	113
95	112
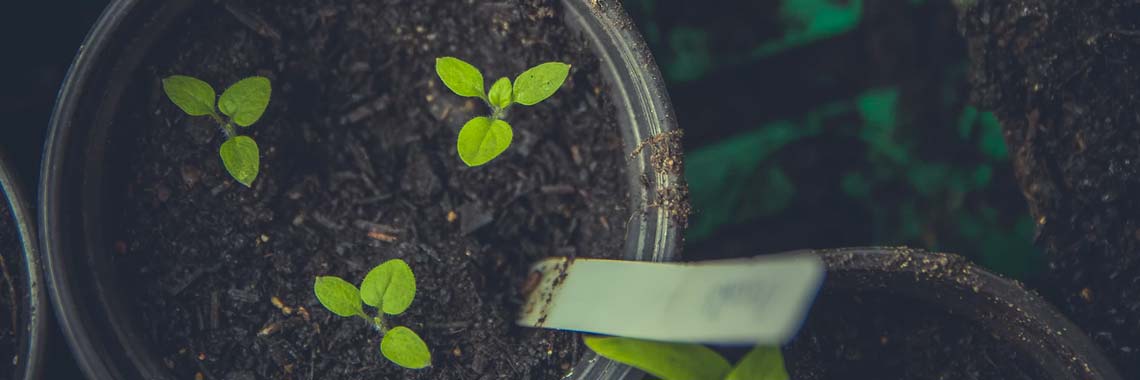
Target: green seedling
485	137
243	103
684	361
390	288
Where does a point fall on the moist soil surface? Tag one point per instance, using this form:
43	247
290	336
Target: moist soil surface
1063	79
358	166
11	292
880	336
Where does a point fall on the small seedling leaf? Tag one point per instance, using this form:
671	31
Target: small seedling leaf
762	363
338	295
241	158
390	286
192	95
668	361
245	101
540	82
500	95
462	78
483	139
403	347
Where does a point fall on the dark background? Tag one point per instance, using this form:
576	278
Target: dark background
809	124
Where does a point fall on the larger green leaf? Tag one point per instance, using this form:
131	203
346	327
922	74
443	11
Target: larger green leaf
668	361
462	78
338	295
403	347
762	363
241	158
390	286
540	82
245	101
483	139
193	96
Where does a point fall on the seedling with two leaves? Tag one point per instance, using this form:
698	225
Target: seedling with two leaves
242	103
390	288
687	361
485	137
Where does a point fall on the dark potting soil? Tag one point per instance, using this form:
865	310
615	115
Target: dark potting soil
358	167
11	292
879	336
1063	78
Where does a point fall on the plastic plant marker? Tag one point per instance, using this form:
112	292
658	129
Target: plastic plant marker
482	139
462	78
192	95
241	158
500	94
390	287
540	82
339	296
245	101
761	300
668	361
403	347
762	363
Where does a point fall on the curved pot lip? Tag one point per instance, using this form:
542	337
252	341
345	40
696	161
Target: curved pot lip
642	105
1003	306
37	322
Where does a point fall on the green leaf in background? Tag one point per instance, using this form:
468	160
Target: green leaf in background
192	95
540	82
403	347
483	139
462	78
241	158
338	295
762	363
245	101
390	286
500	94
668	361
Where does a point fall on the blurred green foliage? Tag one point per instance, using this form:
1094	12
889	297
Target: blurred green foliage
919	167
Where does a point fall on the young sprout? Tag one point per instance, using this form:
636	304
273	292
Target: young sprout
485	137
681	361
243	103
389	287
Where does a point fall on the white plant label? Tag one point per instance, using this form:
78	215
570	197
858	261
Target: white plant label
761	300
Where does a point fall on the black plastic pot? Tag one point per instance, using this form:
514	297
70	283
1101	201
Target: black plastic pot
34	316
74	187
1003	308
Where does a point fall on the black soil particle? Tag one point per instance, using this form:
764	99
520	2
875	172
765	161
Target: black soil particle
11	291
1064	77
880	336
358	167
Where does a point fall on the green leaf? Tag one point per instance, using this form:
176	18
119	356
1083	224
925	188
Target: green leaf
192	95
245	101
462	78
390	287
668	361
402	346
241	158
762	363
338	295
500	95
540	82
483	139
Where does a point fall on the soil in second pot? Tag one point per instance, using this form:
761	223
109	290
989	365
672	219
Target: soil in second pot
1062	77
358	166
880	336
11	291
